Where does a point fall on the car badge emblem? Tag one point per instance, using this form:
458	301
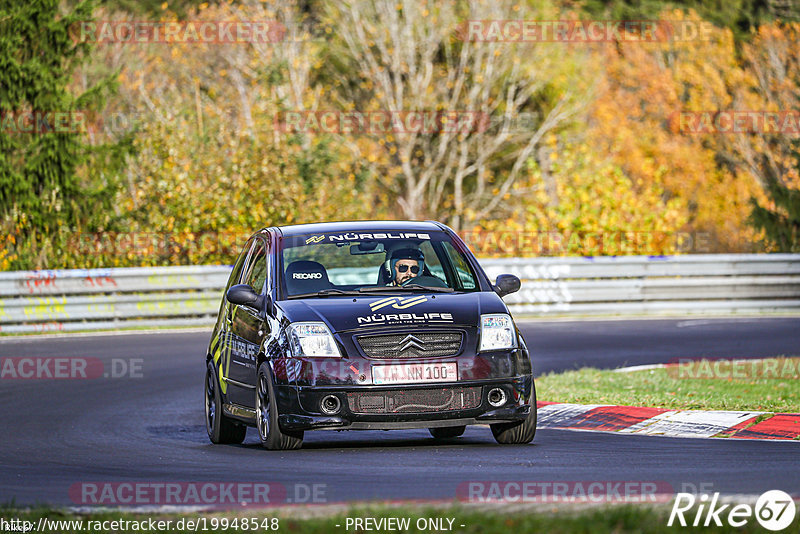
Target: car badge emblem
411	341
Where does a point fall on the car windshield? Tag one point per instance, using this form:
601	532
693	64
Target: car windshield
330	264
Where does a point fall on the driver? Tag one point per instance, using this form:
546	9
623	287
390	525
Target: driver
405	264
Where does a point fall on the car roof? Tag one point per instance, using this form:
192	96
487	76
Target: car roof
361	226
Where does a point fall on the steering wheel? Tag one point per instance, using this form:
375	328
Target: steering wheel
425	280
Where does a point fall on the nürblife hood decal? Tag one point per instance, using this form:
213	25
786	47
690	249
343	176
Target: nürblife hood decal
348	313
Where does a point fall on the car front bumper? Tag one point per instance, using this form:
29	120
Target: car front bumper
299	407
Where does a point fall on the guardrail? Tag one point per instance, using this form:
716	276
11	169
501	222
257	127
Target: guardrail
83	299
87	299
638	285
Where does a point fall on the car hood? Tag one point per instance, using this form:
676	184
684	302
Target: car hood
411	309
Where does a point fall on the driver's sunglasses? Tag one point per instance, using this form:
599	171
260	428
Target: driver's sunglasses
404	268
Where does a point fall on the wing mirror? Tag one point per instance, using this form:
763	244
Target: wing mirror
244	295
505	284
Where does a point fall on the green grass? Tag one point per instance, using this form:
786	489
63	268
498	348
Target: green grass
550	519
686	388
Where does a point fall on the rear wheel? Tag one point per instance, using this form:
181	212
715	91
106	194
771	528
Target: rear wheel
220	428
446	432
517	432
267	415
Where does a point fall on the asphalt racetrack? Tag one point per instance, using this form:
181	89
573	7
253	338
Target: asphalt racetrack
149	428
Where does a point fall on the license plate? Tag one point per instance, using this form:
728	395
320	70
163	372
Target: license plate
407	373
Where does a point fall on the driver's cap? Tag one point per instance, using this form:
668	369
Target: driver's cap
408	254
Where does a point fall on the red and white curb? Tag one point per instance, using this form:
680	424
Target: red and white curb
674	423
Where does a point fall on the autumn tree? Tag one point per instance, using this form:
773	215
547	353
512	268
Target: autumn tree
409	56
773	59
45	188
779	217
637	121
210	163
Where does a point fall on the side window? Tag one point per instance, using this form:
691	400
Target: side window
462	268
432	260
236	273
256	274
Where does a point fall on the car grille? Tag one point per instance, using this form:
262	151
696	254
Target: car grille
411	345
415	400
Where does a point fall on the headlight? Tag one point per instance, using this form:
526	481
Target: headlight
497	332
313	340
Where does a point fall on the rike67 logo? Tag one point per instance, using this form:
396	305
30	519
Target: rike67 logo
774	510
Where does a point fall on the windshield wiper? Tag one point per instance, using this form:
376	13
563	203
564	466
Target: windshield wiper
407	287
429	288
324	293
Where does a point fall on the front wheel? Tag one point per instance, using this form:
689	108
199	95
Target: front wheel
518	432
220	428
267	415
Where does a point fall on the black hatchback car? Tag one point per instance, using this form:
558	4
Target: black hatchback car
365	325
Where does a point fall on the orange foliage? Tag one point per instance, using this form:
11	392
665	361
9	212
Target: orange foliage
634	120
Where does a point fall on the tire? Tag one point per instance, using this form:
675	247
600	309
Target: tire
269	432
221	429
518	432
447	432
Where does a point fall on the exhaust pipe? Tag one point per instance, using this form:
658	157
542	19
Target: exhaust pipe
330	405
497	397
